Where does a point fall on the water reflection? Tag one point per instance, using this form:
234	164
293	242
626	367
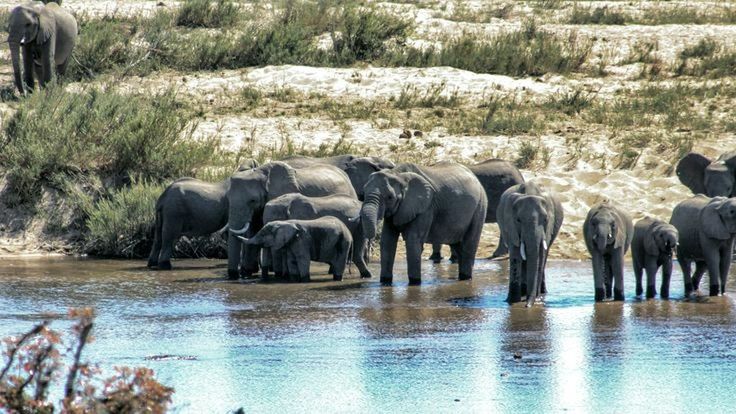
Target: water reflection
357	346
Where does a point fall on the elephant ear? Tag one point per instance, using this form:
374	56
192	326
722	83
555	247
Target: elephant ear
417	198
281	180
621	233
285	234
691	172
46	26
650	241
711	222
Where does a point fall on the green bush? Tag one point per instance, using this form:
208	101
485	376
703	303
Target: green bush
524	52
104	45
203	13
598	15
122	225
102	132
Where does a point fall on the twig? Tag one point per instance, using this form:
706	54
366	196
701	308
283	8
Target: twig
83	335
11	356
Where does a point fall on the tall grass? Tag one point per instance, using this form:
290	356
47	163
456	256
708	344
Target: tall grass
205	13
525	52
99	132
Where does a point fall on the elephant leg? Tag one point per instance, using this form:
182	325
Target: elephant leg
389	240
543	274
522	277
170	233
454	253
414	247
303	267
514	295
638	275
664	290
617	273
341	260
598	276
359	259
608	269
234	246
38	69
501	250
700	269
29	67
156	248
725	264
651	269
367	247
249	260
436	256
713	263
61	69
266	261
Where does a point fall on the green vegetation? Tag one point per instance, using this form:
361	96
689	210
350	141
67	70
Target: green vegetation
657	15
204	13
598	15
525	52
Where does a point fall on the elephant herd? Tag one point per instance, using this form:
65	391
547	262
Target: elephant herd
282	215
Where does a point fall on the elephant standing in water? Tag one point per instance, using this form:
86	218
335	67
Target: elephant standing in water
714	178
188	207
608	231
496	176
707	228
300	207
653	244
358	169
530	220
443	203
249	192
325	239
46	35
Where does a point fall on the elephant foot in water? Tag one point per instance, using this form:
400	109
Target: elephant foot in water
165	265
436	257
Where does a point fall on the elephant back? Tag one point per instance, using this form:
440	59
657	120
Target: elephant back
496	176
323	180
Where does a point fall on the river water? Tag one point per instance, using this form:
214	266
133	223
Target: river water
355	346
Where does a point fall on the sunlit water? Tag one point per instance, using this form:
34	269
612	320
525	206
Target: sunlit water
355	346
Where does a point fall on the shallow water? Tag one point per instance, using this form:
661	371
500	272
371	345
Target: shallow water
355	346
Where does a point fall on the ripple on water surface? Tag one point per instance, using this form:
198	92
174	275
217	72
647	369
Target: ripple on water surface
357	346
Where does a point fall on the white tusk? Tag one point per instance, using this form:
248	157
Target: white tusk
243	238
610	235
23	40
221	230
544	245
241	231
522	250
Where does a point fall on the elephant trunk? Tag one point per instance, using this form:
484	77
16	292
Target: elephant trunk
601	237
533	246
15	58
369	215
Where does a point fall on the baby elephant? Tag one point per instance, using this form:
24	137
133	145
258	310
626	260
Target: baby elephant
707	228
652	247
325	240
608	232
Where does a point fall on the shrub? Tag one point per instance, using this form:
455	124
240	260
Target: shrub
506	116
121	226
104	45
34	363
598	15
524	52
97	131
704	48
203	13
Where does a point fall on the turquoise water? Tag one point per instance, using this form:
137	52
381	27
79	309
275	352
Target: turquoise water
355	346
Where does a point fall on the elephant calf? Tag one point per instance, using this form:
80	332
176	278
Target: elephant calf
652	247
300	207
608	232
707	228
325	239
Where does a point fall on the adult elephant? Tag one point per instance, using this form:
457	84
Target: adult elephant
300	207
46	35
608	232
357	168
189	207
249	192
706	228
443	203
496	176
714	178
529	219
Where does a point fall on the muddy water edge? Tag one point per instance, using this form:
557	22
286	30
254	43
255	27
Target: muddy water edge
357	346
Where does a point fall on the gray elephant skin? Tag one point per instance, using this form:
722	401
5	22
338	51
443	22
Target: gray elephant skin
496	176
249	192
707	227
188	207
300	207
357	168
45	35
443	203
714	178
325	240
652	246
530	219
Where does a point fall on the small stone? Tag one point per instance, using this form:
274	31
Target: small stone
457	400
517	355
160	4
406	134
418	133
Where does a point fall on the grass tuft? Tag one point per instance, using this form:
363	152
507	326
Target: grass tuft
205	13
597	15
